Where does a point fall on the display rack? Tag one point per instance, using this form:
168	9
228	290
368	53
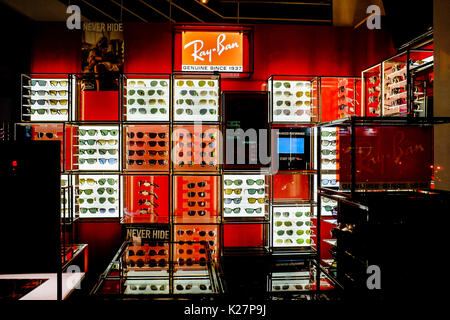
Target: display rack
45	98
401	85
363	209
371	91
293	99
135	272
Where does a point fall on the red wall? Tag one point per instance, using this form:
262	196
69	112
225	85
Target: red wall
278	49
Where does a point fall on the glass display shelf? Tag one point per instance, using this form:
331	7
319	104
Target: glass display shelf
196	98
146	97
120	280
293	99
45	98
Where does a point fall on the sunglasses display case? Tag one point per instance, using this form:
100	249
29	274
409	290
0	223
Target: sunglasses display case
146	147
291	226
371	91
45	97
97	195
146	199
340	98
196	198
124	277
245	196
329	164
146	97
97	148
293	99
421	78
196	147
196	98
193	243
395	72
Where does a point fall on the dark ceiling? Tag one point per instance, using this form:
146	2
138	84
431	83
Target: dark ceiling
215	11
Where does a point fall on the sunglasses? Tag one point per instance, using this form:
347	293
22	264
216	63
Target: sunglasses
153	287
328	152
108	190
187	111
154	143
182	232
153	162
109	161
194	203
328	143
146	183
229	210
162	153
110	181
230	200
145	111
199	184
280	103
329	161
138	162
279	214
327	181
110	200
229	182
88	181
82	200
302	112
203	233
326	200
192	194
89	161
286	223
328	133
49	135
254	191
42	83
205	111
230	191
259	182
252	210
287	85
280	111
95	210
330	208
193	212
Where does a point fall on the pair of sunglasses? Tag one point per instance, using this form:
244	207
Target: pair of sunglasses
95	210
190	112
192	194
329	181
192	185
151	135
153	83
192	213
198	203
230	200
150	143
151	162
101	142
145	111
99	191
190	83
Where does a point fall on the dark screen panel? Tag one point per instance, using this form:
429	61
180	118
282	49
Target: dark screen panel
246	111
30	197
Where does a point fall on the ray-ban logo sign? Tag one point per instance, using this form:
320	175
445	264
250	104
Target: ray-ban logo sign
212	51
